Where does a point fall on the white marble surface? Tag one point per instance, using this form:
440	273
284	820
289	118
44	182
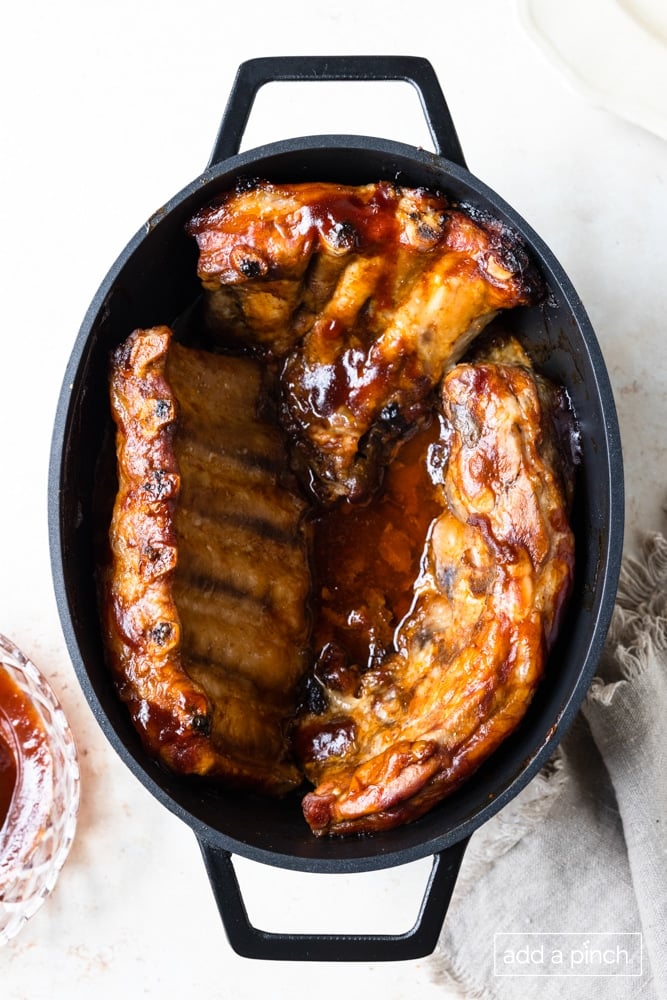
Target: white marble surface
108	109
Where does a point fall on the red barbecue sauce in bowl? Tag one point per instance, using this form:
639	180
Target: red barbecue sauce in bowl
25	770
7	779
39	789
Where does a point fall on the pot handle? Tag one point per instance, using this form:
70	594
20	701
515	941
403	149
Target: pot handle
255	73
252	942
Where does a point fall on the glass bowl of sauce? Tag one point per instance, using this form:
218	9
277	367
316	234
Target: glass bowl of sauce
39	789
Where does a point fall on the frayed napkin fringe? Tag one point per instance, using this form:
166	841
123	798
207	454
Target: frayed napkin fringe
642	585
453	976
639	622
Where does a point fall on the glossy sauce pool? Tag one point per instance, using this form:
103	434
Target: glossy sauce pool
368	557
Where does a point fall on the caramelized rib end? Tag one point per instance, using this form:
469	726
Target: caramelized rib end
368	294
496	573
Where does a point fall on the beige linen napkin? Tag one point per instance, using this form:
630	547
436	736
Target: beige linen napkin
564	893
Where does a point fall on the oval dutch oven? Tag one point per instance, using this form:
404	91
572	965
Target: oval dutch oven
154	281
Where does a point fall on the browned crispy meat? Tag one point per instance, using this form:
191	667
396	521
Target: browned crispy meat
368	292
205	599
383	742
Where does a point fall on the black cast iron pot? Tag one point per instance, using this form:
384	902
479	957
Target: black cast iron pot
154	281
